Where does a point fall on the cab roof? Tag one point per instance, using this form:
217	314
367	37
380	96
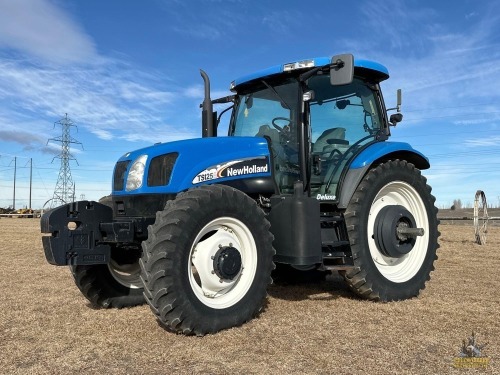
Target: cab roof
371	69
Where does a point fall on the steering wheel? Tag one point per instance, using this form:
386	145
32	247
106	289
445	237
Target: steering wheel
281	128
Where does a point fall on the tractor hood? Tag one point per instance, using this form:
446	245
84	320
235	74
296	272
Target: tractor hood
177	166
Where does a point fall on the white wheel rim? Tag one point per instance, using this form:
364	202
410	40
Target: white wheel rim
402	269
128	275
209	288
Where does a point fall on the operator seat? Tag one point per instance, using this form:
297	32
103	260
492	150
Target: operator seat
330	140
265	131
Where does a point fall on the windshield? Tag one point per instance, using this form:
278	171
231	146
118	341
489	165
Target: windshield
270	111
258	108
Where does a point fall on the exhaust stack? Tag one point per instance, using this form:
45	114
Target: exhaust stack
208	115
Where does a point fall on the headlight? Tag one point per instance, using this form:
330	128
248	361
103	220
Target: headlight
136	173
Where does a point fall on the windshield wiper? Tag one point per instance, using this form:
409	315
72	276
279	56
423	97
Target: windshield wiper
277	94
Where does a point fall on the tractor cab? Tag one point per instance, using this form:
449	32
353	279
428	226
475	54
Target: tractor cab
314	122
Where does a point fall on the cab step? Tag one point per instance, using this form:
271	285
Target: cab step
335	267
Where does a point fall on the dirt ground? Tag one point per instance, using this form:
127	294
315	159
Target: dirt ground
47	327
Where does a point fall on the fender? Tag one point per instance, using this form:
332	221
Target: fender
371	155
392	150
204	161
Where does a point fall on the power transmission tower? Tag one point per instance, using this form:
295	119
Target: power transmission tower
64	191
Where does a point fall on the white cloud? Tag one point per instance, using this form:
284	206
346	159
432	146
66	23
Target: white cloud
103	134
194	92
21	137
161	133
483	142
472	122
282	21
392	23
470	15
209	32
442	72
107	100
40	29
198	92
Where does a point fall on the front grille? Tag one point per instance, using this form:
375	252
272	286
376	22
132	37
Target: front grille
140	205
119	176
160	169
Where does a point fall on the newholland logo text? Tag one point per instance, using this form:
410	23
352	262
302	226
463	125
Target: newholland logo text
247	169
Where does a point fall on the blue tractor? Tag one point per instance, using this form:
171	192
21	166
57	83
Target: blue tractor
305	180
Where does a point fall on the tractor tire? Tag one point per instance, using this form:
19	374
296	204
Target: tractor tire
116	284
388	265
107	200
207	261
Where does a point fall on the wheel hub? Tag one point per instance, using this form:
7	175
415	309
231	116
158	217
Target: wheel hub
395	231
227	262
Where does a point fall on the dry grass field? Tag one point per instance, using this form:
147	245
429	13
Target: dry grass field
47	327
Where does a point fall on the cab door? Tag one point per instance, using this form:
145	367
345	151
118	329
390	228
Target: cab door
342	120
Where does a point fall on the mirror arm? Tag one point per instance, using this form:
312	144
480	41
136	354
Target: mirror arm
305	76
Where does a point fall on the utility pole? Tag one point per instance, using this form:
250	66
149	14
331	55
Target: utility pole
31	179
64	191
14	195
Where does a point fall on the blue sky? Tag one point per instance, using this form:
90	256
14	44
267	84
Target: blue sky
127	74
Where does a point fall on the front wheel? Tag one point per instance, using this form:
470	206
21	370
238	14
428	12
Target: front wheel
116	284
392	225
207	261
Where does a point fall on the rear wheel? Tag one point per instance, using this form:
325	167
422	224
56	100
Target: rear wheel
207	261
116	284
392	225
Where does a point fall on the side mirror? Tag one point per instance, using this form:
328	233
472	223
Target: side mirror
395	118
249	101
398	105
341	104
342	69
